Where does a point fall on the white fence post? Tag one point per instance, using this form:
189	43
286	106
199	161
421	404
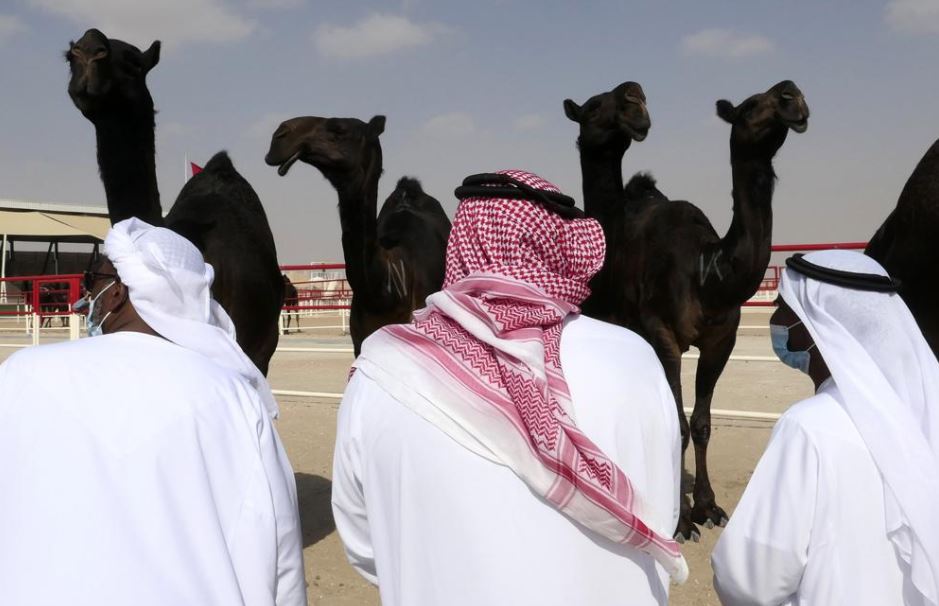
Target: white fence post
36	323
280	323
73	327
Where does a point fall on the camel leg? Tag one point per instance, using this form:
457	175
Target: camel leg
669	353
714	356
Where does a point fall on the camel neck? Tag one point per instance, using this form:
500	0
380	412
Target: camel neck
358	217
602	174
128	167
746	246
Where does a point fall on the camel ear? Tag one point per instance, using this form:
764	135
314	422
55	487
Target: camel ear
726	111
151	56
376	126
572	110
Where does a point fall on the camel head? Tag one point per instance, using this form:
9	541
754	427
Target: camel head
617	117
763	121
336	146
109	75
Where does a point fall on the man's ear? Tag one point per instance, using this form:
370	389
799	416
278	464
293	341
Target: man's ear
119	296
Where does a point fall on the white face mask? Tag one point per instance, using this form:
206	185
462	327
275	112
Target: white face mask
96	329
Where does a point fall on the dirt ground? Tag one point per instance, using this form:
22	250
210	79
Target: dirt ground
307	427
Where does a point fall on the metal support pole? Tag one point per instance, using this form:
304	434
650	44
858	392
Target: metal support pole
3	270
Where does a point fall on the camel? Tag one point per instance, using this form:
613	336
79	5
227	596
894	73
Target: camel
291	299
393	260
108	86
609	123
217	210
905	245
53	298
678	282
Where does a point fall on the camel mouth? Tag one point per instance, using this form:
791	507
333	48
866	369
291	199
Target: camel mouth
635	133
286	164
799	126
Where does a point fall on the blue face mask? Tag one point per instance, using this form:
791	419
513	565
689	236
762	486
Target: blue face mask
793	359
96	328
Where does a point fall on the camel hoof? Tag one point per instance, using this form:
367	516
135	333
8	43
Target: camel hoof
708	524
695	536
679	538
723	521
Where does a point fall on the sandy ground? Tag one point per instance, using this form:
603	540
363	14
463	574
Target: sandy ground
307	427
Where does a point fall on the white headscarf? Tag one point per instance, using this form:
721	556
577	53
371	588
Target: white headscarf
889	380
169	284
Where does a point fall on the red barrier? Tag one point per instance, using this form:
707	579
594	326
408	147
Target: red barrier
774	272
44	296
811	247
320	293
766	290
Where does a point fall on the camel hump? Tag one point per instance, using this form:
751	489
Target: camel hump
642	186
220	163
409	187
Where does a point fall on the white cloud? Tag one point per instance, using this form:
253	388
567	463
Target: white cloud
453	125
377	34
9	27
913	16
725	43
529	122
175	22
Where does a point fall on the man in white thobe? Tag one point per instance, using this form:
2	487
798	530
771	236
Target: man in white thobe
841	508
141	466
438	506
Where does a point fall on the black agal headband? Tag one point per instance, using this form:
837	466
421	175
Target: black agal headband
838	277
494	185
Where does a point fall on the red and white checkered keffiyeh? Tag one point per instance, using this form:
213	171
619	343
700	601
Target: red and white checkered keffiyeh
482	360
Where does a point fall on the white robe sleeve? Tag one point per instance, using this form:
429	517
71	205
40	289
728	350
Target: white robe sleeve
348	498
762	553
291	582
266	545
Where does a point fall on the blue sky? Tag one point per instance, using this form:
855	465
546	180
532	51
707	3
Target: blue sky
475	86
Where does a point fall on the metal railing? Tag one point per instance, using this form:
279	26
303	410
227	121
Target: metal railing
766	294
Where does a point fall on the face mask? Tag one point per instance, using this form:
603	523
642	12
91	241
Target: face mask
793	359
96	329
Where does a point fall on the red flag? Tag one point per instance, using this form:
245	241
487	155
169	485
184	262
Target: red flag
196	169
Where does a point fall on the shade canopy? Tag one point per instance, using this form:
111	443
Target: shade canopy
45	226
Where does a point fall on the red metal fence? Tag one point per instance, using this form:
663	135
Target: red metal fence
323	288
766	294
44	296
